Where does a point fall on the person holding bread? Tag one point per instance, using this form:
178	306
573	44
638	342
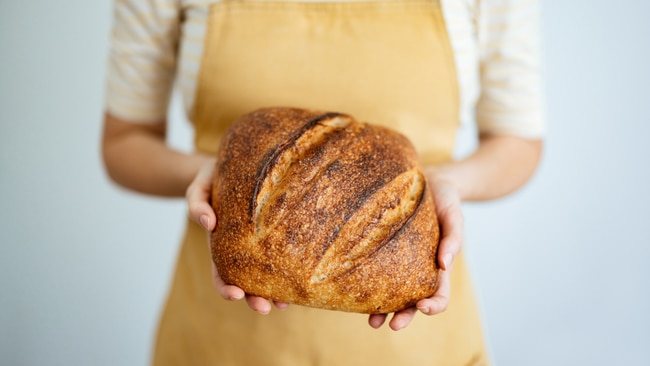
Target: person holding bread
426	69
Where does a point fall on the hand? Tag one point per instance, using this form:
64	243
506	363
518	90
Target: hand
451	220
198	201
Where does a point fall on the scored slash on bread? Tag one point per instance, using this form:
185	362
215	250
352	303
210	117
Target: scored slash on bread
360	237
320	210
275	177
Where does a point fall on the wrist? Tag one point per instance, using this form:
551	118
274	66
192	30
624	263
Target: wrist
195	164
447	175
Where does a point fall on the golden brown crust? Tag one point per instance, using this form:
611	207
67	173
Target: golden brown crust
320	210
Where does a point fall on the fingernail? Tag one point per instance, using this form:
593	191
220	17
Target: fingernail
447	261
205	221
424	309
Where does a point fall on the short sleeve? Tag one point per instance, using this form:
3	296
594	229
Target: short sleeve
142	59
511	93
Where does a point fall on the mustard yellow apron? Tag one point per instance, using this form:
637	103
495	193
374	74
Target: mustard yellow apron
386	62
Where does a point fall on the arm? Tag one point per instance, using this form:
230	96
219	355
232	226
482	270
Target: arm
140	78
500	165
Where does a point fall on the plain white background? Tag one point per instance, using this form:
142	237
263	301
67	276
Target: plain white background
561	268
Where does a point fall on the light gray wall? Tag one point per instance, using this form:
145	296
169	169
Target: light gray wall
561	267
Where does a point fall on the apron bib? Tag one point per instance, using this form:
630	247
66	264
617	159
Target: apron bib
385	62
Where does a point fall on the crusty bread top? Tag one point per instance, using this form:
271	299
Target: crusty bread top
320	210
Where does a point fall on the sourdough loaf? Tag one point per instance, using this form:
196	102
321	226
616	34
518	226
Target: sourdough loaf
320	210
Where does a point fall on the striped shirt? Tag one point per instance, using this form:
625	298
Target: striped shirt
156	44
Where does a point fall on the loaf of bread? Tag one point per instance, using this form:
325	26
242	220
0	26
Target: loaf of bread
320	210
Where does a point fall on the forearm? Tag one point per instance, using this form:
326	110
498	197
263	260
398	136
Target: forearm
138	158
500	165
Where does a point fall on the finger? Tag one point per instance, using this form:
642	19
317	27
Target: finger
199	208
281	305
376	320
437	303
198	198
228	292
402	319
452	223
259	304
